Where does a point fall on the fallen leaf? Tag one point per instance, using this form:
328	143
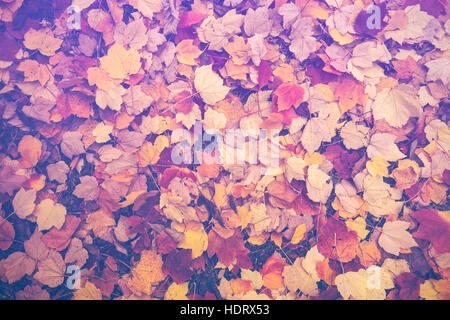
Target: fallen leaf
395	237
50	214
209	85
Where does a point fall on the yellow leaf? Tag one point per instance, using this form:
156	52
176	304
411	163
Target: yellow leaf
297	278
315	158
50	214
177	291
245	216
88	292
370	284
34	71
368	253
406	174
42	40
299	233
187	52
120	63
220	195
130	198
341	39
149	153
99	77
277	239
237	72
377	166
147	272
359	226
285	72
101	132
257	240
435	289
195	239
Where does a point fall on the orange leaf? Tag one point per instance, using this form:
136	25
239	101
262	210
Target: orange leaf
350	92
272	272
187	52
209	170
241	286
405	68
289	94
30	150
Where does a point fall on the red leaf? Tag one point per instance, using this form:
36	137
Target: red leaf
335	241
184	102
165	243
264	73
409	286
7	234
434	228
177	265
226	249
343	160
190	18
60	239
289	94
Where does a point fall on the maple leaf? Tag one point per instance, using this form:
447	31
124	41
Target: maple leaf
395	237
227	250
